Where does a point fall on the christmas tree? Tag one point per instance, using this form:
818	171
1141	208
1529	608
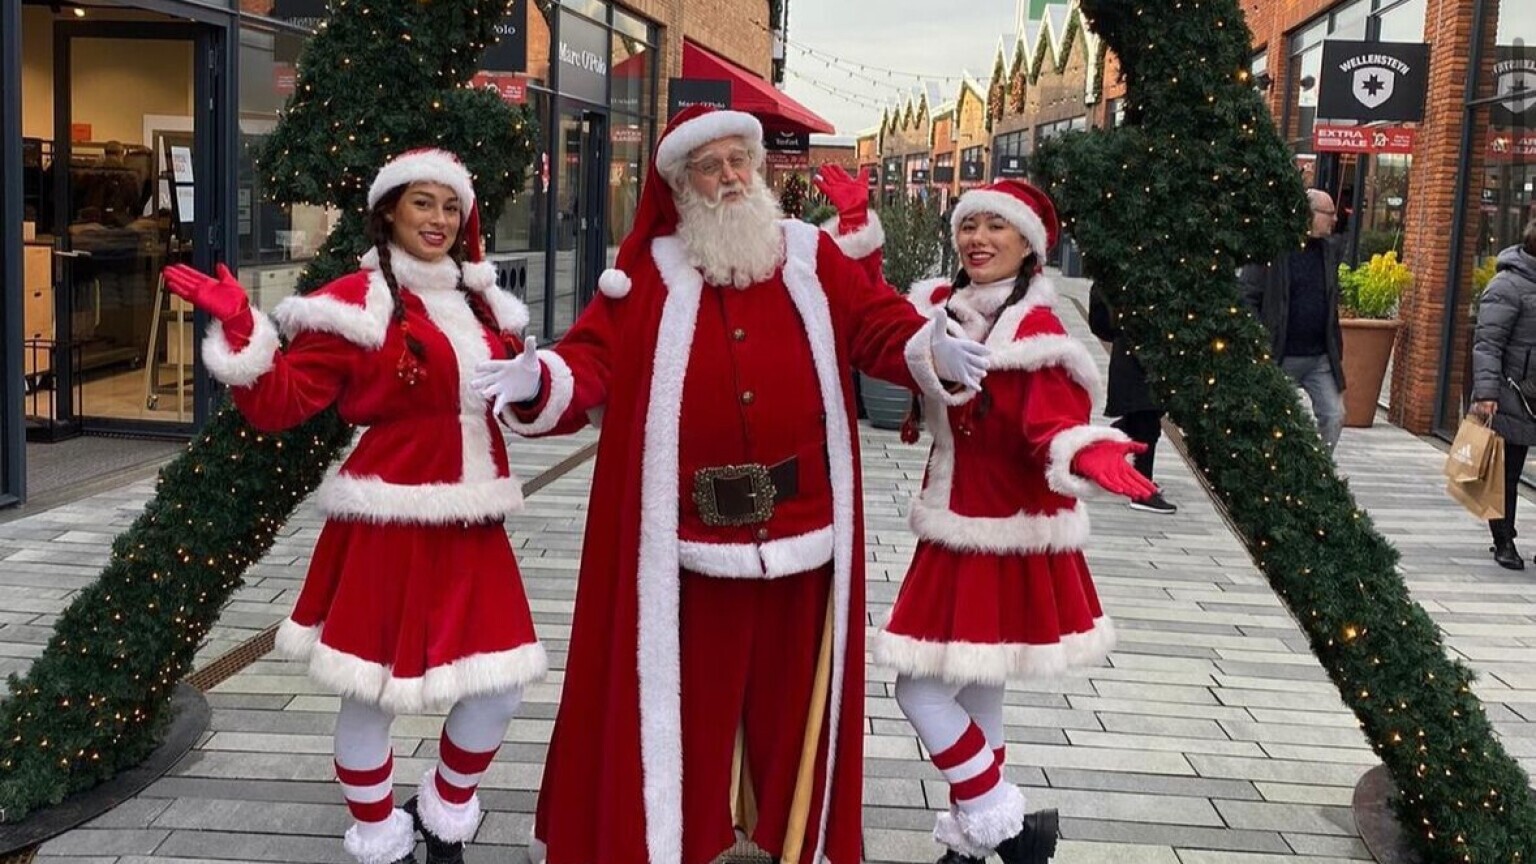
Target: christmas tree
381	77
1165	209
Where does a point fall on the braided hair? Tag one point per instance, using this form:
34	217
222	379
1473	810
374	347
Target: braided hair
1021	282
380	233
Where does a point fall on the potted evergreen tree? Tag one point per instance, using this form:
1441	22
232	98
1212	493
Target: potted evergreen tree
914	237
1368	297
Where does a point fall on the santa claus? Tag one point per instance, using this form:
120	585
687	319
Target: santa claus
723	565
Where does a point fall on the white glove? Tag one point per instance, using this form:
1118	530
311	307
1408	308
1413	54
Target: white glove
960	360
509	381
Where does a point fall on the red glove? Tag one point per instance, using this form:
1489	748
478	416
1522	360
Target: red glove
850	195
1104	463
223	298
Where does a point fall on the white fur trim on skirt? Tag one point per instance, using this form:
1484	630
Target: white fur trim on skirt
994	663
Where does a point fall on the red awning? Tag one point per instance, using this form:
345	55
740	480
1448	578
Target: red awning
750	93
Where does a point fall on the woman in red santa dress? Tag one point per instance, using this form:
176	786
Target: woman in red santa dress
413	600
998	588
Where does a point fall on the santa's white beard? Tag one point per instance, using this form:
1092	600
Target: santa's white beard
732	242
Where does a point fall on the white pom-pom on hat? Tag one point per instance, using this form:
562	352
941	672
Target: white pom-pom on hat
614	284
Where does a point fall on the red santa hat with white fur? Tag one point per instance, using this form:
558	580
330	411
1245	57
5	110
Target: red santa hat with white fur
434	165
656	215
1023	206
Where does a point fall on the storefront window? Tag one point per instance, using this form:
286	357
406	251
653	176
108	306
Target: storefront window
1402	21
275	240
1500	172
633	79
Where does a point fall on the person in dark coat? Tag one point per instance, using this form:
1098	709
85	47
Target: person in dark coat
1296	297
1504	351
1140	416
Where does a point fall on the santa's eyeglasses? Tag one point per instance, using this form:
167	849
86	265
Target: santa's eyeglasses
711	167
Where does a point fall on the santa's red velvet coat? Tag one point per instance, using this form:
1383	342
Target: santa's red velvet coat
667	369
413	598
998	588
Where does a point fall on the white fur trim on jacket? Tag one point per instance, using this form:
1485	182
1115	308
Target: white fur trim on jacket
921	294
241	368
997	823
1016	212
364	326
429	165
919	356
994	663
437	690
659	554
1019	534
562	389
371	499
1064	448
454	823
399	842
693	134
771	560
861	242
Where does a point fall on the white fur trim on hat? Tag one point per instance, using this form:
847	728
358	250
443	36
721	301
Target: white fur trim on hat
398	841
1018	214
693	134
431	166
614	283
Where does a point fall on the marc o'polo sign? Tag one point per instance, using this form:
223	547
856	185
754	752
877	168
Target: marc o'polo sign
509	53
1371	81
1514	76
688	92
583	58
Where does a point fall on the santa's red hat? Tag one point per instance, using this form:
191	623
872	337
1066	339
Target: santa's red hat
1022	205
434	165
656	215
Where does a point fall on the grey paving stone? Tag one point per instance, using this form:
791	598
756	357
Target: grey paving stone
92	842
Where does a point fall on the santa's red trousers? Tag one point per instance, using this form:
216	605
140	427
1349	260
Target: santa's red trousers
749	649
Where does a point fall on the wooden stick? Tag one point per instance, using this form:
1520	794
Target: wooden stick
743	802
800	805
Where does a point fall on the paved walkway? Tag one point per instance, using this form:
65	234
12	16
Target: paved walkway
1212	735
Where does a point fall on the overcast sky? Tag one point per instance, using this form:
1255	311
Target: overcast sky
922	36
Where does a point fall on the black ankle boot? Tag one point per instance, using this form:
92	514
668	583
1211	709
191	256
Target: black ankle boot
1035	843
1507	555
953	857
439	851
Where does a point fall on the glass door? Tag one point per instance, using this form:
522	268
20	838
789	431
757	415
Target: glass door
580	235
123	196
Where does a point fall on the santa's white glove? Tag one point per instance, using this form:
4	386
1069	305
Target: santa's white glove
510	381
956	359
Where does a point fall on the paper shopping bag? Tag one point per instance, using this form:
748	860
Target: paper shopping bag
1483	497
1468	459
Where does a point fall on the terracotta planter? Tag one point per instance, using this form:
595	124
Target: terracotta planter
1367	349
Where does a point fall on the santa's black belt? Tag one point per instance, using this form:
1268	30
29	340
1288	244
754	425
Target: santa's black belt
744	494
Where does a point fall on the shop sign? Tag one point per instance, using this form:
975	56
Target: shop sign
874	175
285	78
513	89
892	171
1514	76
583	58
1012	166
687	92
779	159
509	53
944	174
1512	147
919	175
1373	81
971	172
303	13
627	134
1363	139
787	142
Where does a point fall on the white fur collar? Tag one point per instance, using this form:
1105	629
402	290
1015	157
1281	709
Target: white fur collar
413	273
976	306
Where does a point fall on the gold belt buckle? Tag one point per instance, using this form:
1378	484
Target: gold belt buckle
762	494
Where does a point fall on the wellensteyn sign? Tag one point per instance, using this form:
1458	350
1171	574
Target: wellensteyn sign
1373	81
1514	76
